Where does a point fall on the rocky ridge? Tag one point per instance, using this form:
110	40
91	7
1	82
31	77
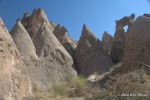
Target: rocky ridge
40	54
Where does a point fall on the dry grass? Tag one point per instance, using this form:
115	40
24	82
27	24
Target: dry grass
132	83
75	88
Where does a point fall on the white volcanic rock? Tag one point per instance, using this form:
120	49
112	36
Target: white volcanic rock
14	85
23	41
33	23
55	63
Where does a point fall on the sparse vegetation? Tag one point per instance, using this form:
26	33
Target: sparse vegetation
75	88
60	89
135	84
63	91
130	86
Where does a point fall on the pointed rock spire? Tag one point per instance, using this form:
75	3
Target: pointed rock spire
90	54
107	41
23	41
61	34
2	25
1	22
33	22
53	57
54	64
85	30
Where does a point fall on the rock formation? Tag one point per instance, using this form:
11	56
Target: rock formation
33	23
38	54
137	44
117	51
61	34
107	41
53	64
23	41
14	85
90	54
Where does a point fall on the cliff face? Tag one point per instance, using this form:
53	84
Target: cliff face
90	55
61	34
117	51
14	85
33	22
137	45
23	41
48	61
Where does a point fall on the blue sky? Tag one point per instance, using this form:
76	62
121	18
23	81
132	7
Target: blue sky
98	15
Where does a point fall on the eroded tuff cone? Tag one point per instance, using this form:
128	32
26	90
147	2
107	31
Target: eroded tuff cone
90	55
137	48
107	41
54	65
117	51
61	34
33	23
23	41
13	84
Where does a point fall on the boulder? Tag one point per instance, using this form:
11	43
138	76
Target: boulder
14	84
137	44
107	41
61	34
91	56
